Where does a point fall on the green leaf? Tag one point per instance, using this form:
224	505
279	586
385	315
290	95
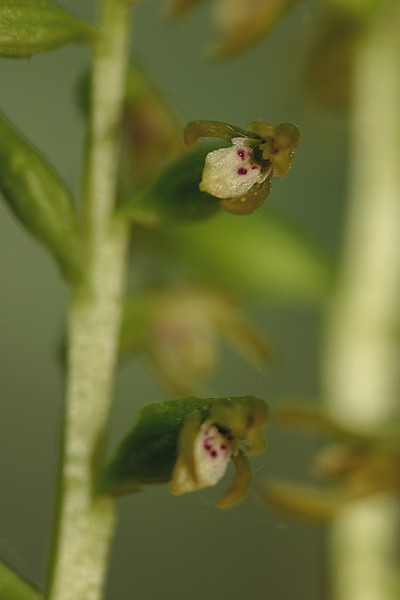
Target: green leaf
39	199
28	27
175	195
12	587
263	257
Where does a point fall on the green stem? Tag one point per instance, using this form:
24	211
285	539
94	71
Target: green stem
362	350
85	524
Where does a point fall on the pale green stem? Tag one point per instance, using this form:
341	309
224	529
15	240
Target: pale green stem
85	524
362	360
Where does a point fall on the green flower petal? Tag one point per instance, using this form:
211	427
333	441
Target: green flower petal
241	483
195	130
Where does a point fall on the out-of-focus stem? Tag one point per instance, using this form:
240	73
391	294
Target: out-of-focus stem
362	360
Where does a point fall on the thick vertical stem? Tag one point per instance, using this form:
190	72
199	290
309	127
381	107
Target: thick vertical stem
362	351
85	524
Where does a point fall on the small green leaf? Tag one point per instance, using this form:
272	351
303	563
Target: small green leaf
258	257
39	199
175	195
28	27
13	587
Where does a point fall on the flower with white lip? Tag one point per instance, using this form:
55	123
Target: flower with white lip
189	443
211	454
232	172
240	175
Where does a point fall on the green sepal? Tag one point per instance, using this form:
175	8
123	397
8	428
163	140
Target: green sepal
241	483
317	420
243	417
13	587
278	144
195	130
28	27
39	199
174	196
306	502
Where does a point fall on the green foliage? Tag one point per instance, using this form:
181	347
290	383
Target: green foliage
264	257
28	27
39	199
12	587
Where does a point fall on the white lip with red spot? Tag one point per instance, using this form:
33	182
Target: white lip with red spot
231	172
211	454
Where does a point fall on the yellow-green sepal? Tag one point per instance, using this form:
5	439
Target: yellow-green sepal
241	483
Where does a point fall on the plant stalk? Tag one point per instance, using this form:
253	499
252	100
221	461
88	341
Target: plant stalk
85	523
362	354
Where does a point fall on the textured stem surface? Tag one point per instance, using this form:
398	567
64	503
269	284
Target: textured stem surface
85	524
362	361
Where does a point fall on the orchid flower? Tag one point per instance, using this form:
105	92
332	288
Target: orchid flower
189	443
240	174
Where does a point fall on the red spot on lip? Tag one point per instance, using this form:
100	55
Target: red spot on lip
214	454
254	167
242	171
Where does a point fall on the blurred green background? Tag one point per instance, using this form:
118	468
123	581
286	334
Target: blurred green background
169	547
